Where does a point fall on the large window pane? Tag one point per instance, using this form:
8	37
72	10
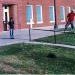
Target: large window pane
62	13
29	13
39	13
68	10
51	13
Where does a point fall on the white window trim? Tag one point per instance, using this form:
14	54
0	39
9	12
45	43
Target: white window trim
39	22
69	9
63	14
53	14
32	15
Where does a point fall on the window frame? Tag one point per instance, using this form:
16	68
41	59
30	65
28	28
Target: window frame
31	15
52	21
63	13
39	22
69	8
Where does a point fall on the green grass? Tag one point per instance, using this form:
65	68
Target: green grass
65	38
32	59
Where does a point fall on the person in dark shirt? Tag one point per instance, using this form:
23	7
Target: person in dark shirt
70	19
11	26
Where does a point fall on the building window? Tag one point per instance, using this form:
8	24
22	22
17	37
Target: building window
29	13
51	14
68	10
39	14
62	14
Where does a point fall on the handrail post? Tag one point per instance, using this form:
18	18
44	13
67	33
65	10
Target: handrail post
55	36
30	26
55	26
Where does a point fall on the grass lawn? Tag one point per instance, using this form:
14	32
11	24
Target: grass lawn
65	38
36	59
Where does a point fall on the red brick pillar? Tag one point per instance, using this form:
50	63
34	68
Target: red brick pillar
1	18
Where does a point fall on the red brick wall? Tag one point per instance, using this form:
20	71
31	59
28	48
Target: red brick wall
18	8
1	17
45	6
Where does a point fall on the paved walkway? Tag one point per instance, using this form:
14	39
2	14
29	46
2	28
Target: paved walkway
23	36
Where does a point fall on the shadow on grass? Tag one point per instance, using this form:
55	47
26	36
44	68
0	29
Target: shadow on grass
64	38
48	59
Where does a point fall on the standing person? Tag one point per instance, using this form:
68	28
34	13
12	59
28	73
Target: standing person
70	19
11	26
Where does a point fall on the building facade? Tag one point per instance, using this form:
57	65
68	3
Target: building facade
38	13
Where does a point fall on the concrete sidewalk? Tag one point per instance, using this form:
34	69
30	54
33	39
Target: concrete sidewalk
22	36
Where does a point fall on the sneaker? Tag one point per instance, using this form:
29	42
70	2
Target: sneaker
11	38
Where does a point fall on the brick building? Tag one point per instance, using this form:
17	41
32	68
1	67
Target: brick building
38	12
